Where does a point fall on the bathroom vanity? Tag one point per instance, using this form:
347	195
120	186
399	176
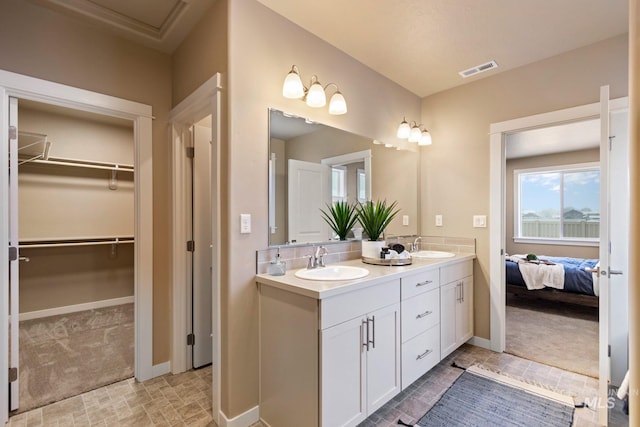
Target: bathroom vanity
333	352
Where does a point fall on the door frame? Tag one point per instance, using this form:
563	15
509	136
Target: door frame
204	101
25	87
497	199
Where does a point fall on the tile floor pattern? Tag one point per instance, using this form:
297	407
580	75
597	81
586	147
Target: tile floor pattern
184	399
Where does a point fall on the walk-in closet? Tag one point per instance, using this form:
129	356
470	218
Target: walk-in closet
76	247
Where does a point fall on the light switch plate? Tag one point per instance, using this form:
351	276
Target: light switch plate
405	219
479	221
245	223
438	220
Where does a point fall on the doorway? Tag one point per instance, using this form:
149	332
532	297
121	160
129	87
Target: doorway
609	295
76	244
195	125
26	88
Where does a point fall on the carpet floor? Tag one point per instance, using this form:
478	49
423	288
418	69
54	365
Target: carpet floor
554	333
65	355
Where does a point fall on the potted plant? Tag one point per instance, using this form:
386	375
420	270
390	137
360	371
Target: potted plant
341	217
374	218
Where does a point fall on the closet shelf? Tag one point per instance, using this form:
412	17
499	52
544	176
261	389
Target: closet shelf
66	242
89	164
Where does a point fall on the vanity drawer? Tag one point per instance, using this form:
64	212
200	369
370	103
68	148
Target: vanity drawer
341	308
457	271
420	313
420	282
419	355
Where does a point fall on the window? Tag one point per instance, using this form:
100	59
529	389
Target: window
557	205
338	183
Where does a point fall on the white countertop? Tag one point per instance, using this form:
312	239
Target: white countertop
377	274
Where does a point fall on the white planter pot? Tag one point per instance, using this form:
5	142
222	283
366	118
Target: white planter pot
372	249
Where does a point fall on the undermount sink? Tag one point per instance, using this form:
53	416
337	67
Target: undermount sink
336	272
432	254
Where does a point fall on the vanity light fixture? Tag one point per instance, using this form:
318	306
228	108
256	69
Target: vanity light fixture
315	96
414	132
425	138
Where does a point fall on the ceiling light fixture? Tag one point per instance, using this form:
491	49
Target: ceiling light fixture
315	96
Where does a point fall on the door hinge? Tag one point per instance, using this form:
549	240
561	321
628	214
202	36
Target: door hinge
611	138
13	374
191	246
191	339
609	350
13	253
13	132
191	152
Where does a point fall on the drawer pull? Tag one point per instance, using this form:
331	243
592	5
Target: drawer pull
426	282
425	314
423	355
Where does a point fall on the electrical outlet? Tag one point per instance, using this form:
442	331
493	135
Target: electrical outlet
438	220
479	221
405	219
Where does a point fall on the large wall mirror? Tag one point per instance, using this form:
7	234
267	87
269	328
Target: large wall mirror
312	165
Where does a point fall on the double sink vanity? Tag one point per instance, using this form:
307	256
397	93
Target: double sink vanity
338	342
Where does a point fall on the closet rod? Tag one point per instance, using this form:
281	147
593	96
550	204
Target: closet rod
111	167
76	242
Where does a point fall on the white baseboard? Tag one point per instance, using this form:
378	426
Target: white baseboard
74	308
245	419
161	369
480	342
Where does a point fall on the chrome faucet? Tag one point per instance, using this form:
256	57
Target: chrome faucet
416	247
317	259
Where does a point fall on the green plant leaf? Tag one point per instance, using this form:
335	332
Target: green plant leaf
375	217
341	217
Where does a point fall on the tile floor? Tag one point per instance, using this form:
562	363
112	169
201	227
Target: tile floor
184	399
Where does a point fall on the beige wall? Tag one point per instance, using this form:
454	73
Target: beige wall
455	169
568	158
262	48
44	44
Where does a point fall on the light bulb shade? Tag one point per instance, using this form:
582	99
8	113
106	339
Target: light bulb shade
404	130
425	139
415	134
316	96
292	87
337	104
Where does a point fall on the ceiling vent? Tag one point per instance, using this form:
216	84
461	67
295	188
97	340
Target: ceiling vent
478	69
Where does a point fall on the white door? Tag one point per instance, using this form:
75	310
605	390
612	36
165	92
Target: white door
609	272
309	191
383	357
619	234
464	311
14	308
343	374
202	280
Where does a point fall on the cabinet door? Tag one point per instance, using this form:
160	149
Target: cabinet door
449	295
383	357
464	312
342	373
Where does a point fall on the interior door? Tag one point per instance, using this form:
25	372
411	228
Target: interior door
202	279
610	272
619	254
14	382
309	191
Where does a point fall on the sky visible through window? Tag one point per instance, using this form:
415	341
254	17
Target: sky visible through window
540	192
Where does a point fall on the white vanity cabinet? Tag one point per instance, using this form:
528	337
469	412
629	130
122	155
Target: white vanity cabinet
456	306
328	362
360	366
420	308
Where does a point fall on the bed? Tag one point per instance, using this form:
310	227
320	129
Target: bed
576	279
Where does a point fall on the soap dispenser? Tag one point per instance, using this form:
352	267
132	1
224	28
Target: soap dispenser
277	267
